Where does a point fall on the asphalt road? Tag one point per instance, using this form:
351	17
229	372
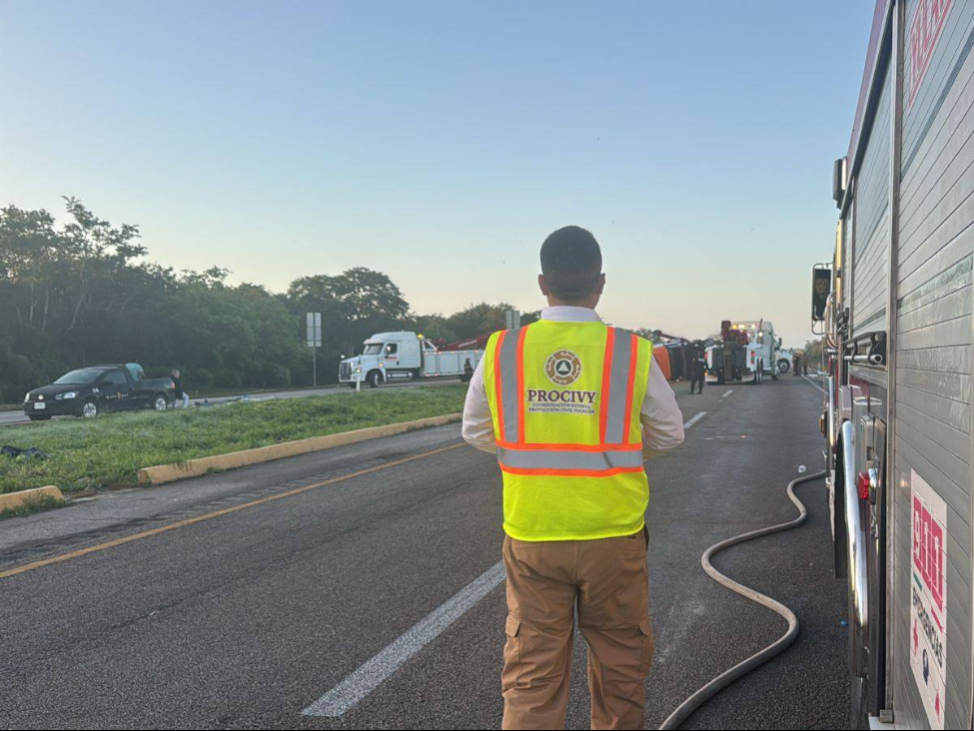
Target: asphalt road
13	418
159	612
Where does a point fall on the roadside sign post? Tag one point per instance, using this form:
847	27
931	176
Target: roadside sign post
512	319
314	342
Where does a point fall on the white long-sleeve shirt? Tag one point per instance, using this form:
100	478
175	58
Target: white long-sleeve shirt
661	418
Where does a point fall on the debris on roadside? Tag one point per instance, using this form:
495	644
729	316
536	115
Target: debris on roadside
18	453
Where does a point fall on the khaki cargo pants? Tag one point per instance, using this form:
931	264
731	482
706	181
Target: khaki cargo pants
607	581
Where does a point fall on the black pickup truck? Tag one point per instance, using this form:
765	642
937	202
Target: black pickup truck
88	392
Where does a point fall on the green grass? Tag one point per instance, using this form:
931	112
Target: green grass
109	451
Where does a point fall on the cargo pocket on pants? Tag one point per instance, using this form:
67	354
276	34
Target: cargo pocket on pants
646	635
512	652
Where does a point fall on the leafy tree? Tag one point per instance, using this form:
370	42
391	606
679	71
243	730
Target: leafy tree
432	327
478	319
814	350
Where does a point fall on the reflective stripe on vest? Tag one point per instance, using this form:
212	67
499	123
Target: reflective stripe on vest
509	352
528	460
614	454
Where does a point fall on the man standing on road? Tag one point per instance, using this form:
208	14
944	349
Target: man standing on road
572	407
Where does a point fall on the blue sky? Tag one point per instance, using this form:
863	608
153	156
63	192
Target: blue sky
440	142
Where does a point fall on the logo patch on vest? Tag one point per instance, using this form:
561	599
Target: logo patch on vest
563	368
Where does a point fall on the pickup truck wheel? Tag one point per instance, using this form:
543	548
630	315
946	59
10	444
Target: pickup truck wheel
783	366
159	402
374	379
89	410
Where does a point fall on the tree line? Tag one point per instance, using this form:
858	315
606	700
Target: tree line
82	293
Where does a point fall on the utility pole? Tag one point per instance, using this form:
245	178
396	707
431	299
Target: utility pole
314	342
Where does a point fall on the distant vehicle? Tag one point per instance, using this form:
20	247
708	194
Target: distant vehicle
747	352
785	361
87	392
404	356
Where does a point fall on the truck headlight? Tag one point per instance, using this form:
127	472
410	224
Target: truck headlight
358	370
67	396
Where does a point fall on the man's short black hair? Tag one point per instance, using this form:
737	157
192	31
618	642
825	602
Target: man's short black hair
571	262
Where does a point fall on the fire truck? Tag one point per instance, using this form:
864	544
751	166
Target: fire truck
894	308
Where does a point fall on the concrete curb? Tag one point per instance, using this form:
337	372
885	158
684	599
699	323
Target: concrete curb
201	466
13	500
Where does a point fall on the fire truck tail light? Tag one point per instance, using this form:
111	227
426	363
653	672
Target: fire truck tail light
864	484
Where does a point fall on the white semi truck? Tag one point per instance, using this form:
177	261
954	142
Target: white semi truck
404	356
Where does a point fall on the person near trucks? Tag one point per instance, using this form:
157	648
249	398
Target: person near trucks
572	408
698	369
181	396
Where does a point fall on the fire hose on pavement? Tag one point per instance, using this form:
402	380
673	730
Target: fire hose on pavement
691	704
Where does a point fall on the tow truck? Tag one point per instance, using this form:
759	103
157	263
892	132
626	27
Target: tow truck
404	356
746	352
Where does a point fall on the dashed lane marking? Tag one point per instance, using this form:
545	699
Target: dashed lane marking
347	694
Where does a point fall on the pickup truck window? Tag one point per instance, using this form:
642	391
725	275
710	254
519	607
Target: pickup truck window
80	377
115	378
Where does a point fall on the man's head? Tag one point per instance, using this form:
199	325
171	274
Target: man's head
571	268
175	373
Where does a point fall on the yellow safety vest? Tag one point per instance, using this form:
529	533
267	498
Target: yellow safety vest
565	399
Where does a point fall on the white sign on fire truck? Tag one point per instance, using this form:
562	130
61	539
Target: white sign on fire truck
928	601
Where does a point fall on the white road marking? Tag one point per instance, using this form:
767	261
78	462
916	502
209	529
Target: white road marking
344	696
814	384
727	393
694	420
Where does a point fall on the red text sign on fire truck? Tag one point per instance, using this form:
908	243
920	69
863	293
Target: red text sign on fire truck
928	23
928	605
